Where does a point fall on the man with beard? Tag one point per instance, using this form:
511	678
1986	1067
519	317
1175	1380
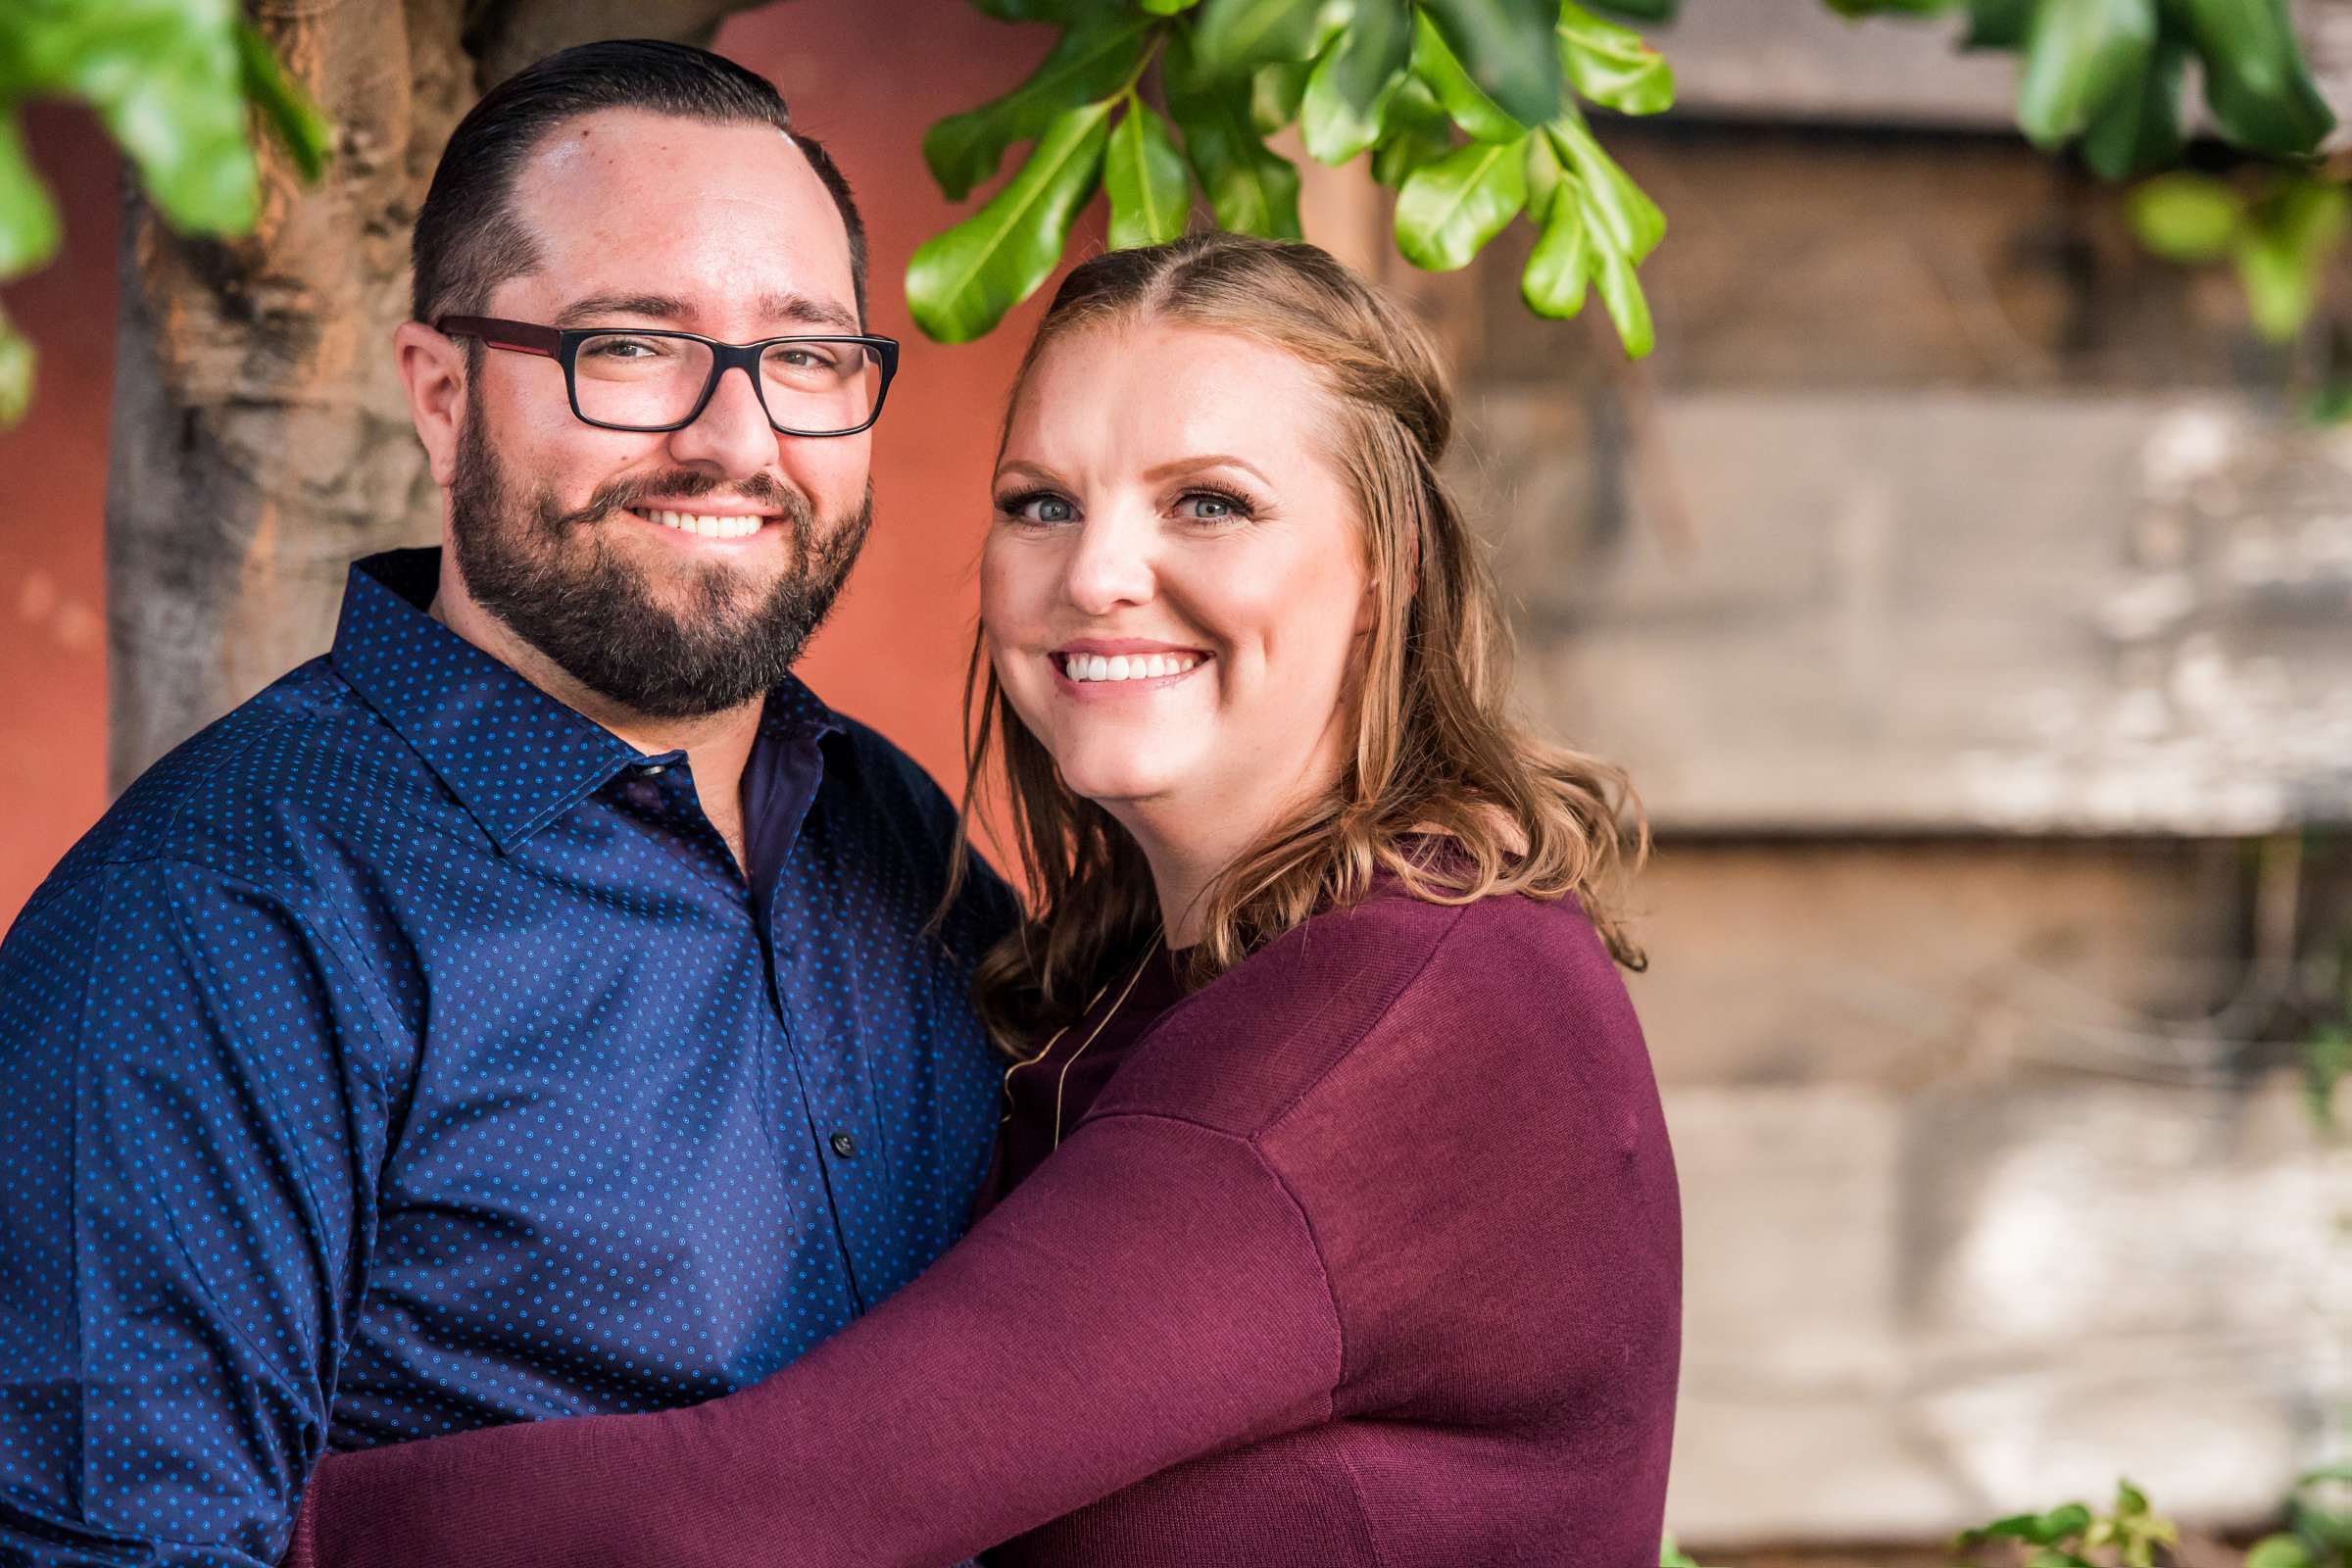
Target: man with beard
533	1006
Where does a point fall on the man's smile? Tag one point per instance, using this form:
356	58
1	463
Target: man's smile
716	525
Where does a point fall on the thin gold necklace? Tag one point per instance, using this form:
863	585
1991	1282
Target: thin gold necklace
1060	1082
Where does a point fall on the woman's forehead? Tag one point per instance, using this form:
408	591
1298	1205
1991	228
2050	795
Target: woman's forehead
1157	383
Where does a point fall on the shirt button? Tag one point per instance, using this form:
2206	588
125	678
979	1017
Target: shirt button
651	770
843	1144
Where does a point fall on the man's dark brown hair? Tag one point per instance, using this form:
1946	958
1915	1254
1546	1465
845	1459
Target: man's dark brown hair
468	238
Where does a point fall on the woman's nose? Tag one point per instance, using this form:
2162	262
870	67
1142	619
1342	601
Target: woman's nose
1109	564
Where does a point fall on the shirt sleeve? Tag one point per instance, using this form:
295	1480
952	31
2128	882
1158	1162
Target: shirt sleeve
1150	1294
188	1173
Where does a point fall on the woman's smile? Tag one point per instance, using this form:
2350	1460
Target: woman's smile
1095	670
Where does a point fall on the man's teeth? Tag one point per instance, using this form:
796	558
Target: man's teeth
707	527
1128	667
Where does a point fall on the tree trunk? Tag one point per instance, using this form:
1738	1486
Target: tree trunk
260	438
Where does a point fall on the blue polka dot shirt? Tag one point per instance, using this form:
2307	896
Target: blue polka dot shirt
407	1054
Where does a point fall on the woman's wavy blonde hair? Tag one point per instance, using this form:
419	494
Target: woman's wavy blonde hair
1441	788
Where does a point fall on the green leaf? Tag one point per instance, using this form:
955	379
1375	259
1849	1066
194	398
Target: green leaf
1334	130
1640	10
292	115
2280	1551
1464	101
2014	1526
1449	209
961	283
1414	131
2328	1530
30	230
2279	280
17	359
2141	130
1506	48
1561	264
1349	91
1098	56
1367	57
1353	84
1998	24
1252	190
2190	219
1031	10
1168	8
2130	1502
1275	94
1150	193
1621	225
166	78
1622	213
2260	90
1545	172
2036	1529
1628	307
1670	1556
1233	37
2066	1519
2080	55
1612	66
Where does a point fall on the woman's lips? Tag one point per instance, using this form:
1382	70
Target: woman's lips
1107	675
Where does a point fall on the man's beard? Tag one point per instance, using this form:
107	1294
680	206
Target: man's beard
554	577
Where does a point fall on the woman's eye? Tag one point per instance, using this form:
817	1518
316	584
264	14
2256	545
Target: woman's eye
1040	509
1206	505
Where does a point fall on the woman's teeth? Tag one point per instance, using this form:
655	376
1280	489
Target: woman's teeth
707	527
1127	667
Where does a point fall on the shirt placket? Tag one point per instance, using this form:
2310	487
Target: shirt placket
828	1059
818	1043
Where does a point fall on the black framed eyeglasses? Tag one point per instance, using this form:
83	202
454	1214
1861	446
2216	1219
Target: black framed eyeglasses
644	378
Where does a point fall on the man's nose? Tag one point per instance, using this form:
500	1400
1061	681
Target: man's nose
732	433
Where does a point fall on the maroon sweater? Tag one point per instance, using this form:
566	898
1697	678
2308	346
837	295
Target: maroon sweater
1369	1252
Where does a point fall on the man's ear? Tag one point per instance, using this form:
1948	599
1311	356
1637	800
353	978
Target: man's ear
432	368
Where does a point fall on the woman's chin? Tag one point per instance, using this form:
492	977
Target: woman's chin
1117	785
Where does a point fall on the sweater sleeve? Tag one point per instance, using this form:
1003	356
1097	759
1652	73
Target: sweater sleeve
1150	1294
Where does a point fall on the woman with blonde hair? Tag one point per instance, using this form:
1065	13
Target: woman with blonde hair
1334	1219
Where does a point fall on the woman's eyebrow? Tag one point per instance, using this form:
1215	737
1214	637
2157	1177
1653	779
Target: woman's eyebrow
1022	468
1210	460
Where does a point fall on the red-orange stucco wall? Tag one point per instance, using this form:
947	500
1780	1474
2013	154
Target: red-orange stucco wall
866	76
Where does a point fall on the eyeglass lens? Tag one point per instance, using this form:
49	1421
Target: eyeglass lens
631	378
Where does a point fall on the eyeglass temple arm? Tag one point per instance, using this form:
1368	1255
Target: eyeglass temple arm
523	337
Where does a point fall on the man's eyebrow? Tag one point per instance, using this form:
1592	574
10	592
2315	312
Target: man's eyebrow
809	311
661	307
799	310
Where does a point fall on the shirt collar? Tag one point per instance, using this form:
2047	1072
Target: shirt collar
514	757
